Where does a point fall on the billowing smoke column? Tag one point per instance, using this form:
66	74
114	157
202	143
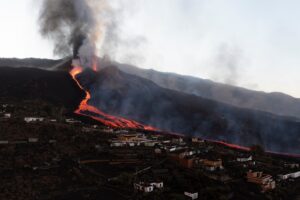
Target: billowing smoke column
75	26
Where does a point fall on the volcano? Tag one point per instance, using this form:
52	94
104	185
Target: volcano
132	97
130	101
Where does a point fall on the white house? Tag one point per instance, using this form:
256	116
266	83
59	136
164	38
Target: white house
244	159
158	185
7	115
117	144
72	121
4	142
192	195
33	119
291	175
33	140
131	144
166	141
143	187
292	165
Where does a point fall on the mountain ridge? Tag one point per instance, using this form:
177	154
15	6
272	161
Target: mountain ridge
274	102
144	101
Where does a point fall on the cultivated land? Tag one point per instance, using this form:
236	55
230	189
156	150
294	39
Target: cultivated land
58	155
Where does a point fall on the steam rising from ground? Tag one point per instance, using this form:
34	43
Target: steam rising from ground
76	26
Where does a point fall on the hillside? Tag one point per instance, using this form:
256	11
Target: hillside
277	103
56	87
118	93
142	100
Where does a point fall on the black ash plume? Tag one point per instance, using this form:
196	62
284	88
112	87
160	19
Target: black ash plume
75	26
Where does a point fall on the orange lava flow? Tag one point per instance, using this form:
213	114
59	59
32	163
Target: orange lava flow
243	148
90	111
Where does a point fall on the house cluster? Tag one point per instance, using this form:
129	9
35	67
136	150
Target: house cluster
265	181
197	140
292	165
190	158
33	119
26	141
92	128
245	160
132	140
210	165
42	119
148	187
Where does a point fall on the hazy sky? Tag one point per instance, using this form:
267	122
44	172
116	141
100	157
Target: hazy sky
254	43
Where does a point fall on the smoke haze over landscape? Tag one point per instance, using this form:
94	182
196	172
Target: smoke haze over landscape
185	38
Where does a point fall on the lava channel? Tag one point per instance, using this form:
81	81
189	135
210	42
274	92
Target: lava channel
87	110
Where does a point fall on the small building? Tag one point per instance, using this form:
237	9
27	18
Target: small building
52	141
192	195
166	141
295	175
157	151
290	175
210	165
143	187
33	119
244	159
187	162
171	148
95	126
33	140
150	143
158	184
4	142
197	140
7	115
292	165
148	187
177	140
122	132
72	121
117	144
131	144
107	130
265	181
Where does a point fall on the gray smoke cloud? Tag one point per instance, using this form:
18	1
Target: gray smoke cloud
75	26
227	64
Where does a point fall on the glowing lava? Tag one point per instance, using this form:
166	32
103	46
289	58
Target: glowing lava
90	111
85	109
